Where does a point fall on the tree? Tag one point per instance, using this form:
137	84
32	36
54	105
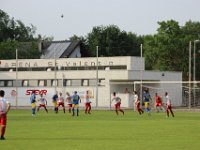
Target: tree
112	42
15	35
14	30
168	49
8	50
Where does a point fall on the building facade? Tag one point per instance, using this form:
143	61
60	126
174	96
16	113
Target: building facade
101	76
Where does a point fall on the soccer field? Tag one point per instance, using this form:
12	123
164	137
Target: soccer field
101	130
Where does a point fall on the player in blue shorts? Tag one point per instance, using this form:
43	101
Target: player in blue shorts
75	103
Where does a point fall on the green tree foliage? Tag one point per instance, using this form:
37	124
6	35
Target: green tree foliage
14	30
168	49
112	42
7	50
15	35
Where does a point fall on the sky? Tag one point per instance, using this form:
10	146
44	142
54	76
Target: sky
80	16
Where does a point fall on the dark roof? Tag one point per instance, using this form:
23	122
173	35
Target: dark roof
60	49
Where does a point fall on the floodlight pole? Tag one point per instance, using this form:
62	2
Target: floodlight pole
189	100
97	77
194	68
55	75
141	75
16	81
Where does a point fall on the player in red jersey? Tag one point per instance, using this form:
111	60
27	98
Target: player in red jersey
158	103
4	109
169	105
137	103
117	103
42	103
69	101
60	102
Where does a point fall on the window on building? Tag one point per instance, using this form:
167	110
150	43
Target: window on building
1	83
102	82
8	83
76	82
24	82
18	83
67	83
42	82
60	83
33	83
54	83
85	82
92	82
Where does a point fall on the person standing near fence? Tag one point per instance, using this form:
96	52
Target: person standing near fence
4	109
169	105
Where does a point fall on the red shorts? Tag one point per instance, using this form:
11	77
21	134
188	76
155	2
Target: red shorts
70	105
169	106
42	105
138	106
61	104
158	104
117	106
3	119
87	105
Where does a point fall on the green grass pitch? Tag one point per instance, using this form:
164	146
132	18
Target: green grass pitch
102	130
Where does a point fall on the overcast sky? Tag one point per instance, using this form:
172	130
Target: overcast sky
80	16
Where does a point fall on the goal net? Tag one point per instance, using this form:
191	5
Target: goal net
181	93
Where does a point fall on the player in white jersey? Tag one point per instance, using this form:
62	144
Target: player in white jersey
60	102
4	109
42	103
69	101
87	103
169	105
117	103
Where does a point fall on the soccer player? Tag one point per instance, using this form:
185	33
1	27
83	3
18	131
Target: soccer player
117	103
147	100
137	103
69	101
42	103
4	109
33	103
54	101
169	105
60	102
87	103
158	103
75	103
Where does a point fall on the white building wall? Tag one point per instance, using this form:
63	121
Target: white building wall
122	78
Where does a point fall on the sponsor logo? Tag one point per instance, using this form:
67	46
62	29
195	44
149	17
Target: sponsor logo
37	92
